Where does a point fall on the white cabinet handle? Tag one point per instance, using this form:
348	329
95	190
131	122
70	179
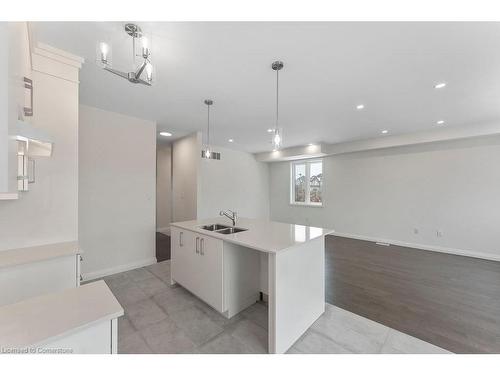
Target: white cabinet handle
197	245
180	239
202	245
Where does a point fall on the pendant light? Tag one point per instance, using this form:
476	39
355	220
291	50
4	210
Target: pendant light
208	152
277	139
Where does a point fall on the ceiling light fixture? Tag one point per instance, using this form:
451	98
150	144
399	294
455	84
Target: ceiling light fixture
104	56
207	152
277	138
440	85
440	122
230	140
360	106
385	131
270	130
165	134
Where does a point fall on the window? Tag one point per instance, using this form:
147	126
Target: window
307	182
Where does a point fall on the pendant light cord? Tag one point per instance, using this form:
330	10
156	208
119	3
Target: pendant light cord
208	126
277	99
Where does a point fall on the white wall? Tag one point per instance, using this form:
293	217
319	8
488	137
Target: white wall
186	158
116	191
237	182
163	187
48	212
453	187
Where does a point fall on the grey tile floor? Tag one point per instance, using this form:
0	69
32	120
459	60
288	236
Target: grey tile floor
160	318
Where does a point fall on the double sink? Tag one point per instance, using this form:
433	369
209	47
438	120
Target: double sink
222	229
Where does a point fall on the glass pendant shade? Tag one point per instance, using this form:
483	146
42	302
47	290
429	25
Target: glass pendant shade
277	139
103	54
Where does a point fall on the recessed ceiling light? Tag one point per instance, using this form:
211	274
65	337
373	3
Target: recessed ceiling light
439	85
230	140
360	106
440	122
165	134
385	131
311	144
270	130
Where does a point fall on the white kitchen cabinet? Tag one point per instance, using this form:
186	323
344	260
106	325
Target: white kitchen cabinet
14	66
197	263
29	272
210	271
182	249
225	276
94	339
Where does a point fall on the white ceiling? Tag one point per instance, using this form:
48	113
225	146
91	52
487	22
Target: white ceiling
329	68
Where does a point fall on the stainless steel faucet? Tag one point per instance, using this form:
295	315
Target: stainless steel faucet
231	215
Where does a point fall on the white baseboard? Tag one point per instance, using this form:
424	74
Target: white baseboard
439	249
121	268
164	230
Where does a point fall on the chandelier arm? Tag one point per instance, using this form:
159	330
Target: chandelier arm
141	69
143	82
117	72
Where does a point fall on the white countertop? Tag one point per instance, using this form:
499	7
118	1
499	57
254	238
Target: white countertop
262	235
38	319
14	257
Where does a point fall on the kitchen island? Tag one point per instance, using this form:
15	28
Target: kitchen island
229	267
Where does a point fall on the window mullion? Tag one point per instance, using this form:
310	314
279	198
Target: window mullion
308	181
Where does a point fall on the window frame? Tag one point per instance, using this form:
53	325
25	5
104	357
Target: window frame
307	163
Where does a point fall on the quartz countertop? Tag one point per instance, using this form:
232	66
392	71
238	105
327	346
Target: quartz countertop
263	235
36	320
14	257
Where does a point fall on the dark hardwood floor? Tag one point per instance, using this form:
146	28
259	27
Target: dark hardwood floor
448	300
162	247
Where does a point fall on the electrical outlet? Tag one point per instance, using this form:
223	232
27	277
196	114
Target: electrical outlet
439	233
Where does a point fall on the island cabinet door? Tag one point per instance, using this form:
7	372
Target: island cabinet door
183	258
210	264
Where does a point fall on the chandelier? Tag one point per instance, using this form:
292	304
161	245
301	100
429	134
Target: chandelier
144	72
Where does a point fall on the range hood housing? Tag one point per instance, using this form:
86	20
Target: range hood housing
38	142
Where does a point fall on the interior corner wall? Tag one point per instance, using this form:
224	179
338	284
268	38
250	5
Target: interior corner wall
117	183
447	187
163	187
186	158
237	182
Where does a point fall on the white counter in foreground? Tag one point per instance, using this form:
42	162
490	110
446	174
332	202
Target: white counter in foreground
81	319
262	235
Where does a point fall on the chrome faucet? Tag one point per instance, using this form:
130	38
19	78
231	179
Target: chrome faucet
231	216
